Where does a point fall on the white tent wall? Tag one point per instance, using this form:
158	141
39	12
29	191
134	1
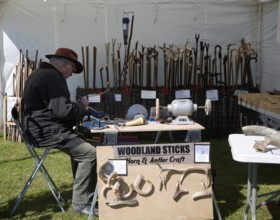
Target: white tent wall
46	25
270	56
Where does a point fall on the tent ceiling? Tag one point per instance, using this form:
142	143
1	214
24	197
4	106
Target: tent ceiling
76	23
142	2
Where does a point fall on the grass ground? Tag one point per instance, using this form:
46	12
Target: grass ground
38	203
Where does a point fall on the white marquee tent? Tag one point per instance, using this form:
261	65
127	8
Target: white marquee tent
45	25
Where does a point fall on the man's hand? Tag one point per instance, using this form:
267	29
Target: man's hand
83	100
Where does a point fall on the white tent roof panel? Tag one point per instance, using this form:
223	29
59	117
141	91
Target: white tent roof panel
46	25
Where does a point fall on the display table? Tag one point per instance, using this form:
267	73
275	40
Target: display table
113	130
263	103
242	151
266	105
149	127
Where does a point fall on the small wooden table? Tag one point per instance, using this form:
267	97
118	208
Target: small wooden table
113	130
150	126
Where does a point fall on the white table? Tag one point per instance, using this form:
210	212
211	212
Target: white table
242	151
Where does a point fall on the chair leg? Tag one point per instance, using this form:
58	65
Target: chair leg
28	183
39	166
52	186
94	200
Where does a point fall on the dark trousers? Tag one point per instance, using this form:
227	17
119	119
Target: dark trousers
83	161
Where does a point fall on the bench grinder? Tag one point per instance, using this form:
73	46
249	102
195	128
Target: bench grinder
183	108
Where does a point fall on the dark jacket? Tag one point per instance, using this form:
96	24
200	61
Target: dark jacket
50	114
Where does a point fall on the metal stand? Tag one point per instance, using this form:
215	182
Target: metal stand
252	193
39	166
94	200
218	213
159	134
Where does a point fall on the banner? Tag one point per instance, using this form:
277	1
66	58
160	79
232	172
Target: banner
175	153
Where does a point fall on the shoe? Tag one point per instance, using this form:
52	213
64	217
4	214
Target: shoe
82	209
85	209
96	211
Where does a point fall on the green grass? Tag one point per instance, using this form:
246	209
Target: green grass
38	203
16	166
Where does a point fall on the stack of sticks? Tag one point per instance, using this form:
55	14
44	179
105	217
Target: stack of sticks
183	67
195	66
23	69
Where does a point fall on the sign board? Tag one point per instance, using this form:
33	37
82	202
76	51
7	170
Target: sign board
94	98
162	153
146	94
161	188
182	94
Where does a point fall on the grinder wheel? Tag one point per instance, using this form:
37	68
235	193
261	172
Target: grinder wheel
207	107
136	109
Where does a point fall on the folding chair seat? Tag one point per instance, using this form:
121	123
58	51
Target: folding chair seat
39	166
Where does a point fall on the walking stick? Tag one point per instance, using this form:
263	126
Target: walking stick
87	66
83	60
101	77
124	72
114	64
94	67
225	59
195	57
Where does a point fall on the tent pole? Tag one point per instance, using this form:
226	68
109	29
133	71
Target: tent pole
259	37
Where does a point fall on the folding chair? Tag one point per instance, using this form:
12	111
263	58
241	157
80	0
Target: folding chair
39	166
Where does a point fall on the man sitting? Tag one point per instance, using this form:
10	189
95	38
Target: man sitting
50	116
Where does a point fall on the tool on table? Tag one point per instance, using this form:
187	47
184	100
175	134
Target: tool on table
93	123
138	120
95	113
136	115
136	109
94	119
183	108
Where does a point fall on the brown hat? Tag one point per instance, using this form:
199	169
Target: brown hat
68	54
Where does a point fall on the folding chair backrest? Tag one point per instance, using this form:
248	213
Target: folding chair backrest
15	115
26	138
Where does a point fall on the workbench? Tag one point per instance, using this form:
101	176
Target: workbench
112	131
